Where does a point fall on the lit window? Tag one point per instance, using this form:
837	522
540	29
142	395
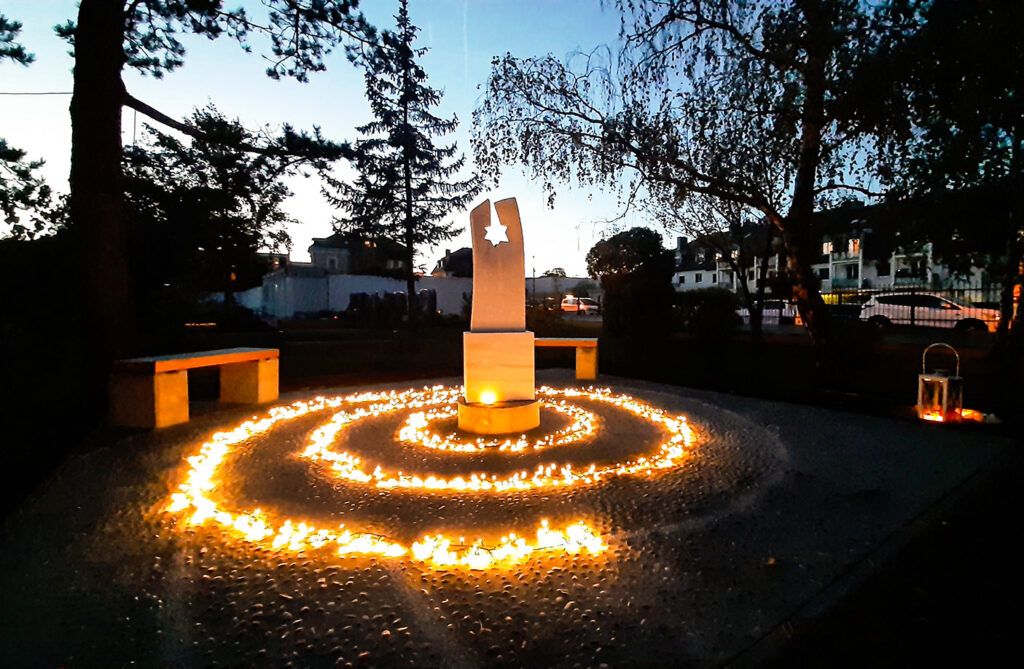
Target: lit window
855	246
826	247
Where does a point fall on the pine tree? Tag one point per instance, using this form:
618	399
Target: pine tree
110	37
24	196
405	187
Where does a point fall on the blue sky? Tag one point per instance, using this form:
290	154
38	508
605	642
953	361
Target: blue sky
462	36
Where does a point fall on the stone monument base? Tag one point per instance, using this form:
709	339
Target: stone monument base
516	416
498	366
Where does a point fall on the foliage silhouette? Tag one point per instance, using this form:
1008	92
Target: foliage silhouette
406	184
25	199
108	37
745	102
199	212
636	276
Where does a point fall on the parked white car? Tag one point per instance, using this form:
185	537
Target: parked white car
583	305
928	310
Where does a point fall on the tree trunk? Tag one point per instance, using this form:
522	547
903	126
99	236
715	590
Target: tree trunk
408	151
410	279
761	277
1009	348
1010	281
753	307
1013	245
797	228
97	208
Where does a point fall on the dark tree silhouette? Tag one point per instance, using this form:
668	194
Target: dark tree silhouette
406	183
200	211
24	196
111	35
636	275
746	102
727	228
948	98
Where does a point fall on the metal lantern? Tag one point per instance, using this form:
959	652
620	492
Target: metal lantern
940	396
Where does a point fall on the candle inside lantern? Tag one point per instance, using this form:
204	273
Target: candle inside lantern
940	395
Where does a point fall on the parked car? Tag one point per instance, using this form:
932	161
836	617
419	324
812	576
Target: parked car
927	309
583	305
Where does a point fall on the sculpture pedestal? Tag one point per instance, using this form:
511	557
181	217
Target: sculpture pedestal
516	416
499	383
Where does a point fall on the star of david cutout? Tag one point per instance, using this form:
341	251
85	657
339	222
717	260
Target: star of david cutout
496	233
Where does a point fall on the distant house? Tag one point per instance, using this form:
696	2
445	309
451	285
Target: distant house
704	263
696	265
863	247
879	247
458	263
345	253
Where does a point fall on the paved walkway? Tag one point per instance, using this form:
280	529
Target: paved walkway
779	511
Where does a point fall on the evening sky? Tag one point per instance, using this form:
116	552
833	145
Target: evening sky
462	36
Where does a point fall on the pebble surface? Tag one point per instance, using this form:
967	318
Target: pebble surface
700	561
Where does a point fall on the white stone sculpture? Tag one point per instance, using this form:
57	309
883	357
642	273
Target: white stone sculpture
498	354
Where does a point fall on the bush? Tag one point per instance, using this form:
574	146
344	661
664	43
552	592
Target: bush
542	320
707	313
637	305
583	288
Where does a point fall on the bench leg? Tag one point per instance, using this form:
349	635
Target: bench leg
149	400
249	382
586	363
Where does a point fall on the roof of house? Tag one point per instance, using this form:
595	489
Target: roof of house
349	240
753	237
456	263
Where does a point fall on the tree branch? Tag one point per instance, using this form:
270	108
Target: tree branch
859	189
329	151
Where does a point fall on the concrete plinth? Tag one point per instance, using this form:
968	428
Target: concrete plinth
498	366
586	363
149	400
249	382
499	418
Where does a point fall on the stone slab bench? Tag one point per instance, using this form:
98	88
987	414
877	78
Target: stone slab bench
153	391
586	352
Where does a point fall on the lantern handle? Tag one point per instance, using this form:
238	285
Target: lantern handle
924	356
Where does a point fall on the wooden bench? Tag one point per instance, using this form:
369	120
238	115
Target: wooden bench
153	392
586	352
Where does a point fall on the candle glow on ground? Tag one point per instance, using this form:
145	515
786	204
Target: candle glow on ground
197	500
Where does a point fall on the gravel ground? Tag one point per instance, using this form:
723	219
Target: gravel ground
779	511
